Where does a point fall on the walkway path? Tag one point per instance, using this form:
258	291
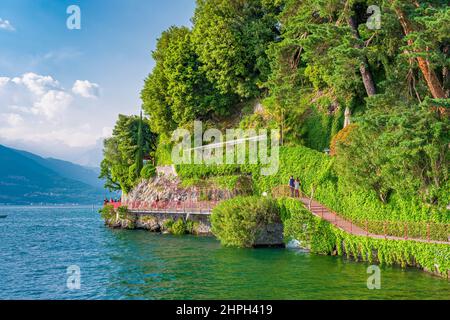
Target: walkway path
323	212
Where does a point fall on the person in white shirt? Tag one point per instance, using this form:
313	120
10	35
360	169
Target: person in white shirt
297	188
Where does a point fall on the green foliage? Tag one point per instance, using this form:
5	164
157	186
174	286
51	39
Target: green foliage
405	150
148	171
107	212
163	152
120	215
320	128
201	171
123	212
237	222
231	38
167	224
315	65
177	91
318	176
316	172
180	227
120	152
140	149
191	226
323	238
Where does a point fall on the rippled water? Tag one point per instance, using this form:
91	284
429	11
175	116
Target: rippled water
38	244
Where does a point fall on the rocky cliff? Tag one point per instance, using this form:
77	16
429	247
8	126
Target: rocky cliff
168	188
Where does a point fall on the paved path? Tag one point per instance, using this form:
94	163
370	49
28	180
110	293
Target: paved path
323	212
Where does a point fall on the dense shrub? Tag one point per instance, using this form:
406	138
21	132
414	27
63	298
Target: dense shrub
301	225
202	171
123	212
107	212
237	222
167	224
148	171
237	184
341	137
180	227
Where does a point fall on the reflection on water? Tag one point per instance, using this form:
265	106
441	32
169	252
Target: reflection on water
38	244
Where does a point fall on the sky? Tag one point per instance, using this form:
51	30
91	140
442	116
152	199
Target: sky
62	89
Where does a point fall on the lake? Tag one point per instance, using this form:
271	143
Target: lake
37	245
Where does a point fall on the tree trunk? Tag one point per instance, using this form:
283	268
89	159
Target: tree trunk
433	83
366	75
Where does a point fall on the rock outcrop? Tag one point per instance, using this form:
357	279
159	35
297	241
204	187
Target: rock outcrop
168	188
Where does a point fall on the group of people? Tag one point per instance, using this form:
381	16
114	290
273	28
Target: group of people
110	201
294	185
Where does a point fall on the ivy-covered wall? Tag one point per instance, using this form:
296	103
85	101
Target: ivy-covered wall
315	171
323	238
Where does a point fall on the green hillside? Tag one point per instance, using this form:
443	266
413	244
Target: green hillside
26	181
68	169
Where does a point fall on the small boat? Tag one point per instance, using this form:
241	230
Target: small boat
3	216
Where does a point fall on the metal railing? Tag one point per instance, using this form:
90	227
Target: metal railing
172	206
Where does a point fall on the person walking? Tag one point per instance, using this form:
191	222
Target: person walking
297	188
292	185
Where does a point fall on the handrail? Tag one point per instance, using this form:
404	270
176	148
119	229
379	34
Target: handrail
172	206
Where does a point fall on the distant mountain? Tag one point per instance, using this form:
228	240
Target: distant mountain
67	169
26	178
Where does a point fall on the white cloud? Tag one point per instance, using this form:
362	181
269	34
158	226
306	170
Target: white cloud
86	89
6	25
52	103
36	94
3	81
36	112
37	84
11	119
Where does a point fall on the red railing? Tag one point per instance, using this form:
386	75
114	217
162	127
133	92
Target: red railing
115	204
172	206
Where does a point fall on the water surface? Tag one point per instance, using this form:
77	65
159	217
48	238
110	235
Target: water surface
38	244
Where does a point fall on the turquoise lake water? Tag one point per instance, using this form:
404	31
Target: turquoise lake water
38	244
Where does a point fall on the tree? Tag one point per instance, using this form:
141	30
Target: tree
420	45
177	91
402	149
140	146
121	150
231	38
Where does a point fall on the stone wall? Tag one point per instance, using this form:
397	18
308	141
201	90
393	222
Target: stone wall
155	222
271	235
169	189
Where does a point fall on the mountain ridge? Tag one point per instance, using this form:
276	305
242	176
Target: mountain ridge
26	178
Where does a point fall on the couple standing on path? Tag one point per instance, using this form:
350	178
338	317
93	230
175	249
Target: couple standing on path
294	185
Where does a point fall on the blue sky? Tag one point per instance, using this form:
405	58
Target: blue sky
61	89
